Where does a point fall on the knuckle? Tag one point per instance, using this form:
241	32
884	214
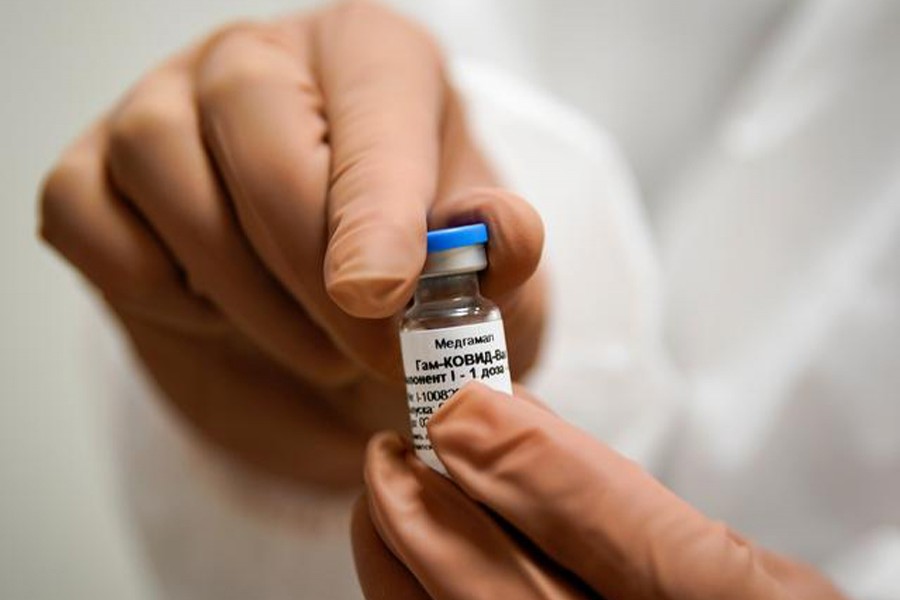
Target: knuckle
236	61
706	543
146	120
60	191
236	30
239	73
78	221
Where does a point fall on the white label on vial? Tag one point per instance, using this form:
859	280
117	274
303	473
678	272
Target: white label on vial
437	362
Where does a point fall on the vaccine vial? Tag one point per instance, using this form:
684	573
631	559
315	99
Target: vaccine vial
452	334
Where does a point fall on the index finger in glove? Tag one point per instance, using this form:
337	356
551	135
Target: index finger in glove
591	509
383	86
454	548
332	202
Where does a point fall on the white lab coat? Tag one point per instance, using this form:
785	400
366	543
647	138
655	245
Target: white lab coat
723	218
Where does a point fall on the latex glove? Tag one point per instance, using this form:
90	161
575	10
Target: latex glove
542	510
254	211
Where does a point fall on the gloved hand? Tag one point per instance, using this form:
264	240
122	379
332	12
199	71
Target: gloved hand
254	213
542	510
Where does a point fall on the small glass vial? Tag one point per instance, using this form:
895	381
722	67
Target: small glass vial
451	335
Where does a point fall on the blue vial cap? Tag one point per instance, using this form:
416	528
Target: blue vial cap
457	237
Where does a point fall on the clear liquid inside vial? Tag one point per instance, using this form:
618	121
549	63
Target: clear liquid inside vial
450	336
448	301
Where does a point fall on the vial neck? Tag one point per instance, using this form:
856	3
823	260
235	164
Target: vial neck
447	287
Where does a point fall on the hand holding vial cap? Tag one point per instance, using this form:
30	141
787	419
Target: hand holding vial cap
253	212
538	509
451	334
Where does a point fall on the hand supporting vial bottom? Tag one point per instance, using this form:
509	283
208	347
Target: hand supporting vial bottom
452	334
